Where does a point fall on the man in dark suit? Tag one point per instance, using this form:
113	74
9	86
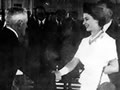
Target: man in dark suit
11	38
113	30
38	67
36	24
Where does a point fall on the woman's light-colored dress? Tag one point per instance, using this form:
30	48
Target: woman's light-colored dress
95	56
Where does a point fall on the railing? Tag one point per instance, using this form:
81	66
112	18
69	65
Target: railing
72	85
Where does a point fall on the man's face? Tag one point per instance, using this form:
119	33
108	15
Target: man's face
40	14
23	27
21	21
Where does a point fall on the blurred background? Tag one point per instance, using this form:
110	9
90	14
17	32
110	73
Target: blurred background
52	5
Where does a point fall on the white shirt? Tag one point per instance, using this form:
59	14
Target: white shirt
106	26
43	21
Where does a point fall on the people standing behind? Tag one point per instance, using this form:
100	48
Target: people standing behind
38	62
73	32
11	38
79	31
53	37
96	52
36	26
112	29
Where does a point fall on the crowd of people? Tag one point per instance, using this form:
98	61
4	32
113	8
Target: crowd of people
36	43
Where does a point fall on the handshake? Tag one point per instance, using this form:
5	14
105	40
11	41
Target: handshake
66	69
58	75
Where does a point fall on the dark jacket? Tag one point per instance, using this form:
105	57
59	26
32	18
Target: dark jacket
114	32
8	66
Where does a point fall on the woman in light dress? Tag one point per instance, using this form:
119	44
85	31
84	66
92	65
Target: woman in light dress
96	52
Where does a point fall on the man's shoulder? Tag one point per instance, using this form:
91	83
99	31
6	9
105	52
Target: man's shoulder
8	37
7	32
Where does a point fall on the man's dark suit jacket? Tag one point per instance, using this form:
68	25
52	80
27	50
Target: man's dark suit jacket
8	58
114	32
37	66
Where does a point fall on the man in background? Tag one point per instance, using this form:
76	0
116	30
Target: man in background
112	29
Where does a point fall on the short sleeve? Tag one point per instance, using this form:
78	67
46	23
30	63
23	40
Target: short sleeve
112	50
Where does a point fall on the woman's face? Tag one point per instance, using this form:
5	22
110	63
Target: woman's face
90	23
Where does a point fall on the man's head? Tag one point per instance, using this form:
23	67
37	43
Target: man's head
74	15
40	12
108	13
17	18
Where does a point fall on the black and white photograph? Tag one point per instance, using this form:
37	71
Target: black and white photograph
59	44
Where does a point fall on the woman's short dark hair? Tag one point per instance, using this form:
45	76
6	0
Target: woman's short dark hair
100	13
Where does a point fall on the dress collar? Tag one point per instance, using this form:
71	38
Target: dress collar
92	39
